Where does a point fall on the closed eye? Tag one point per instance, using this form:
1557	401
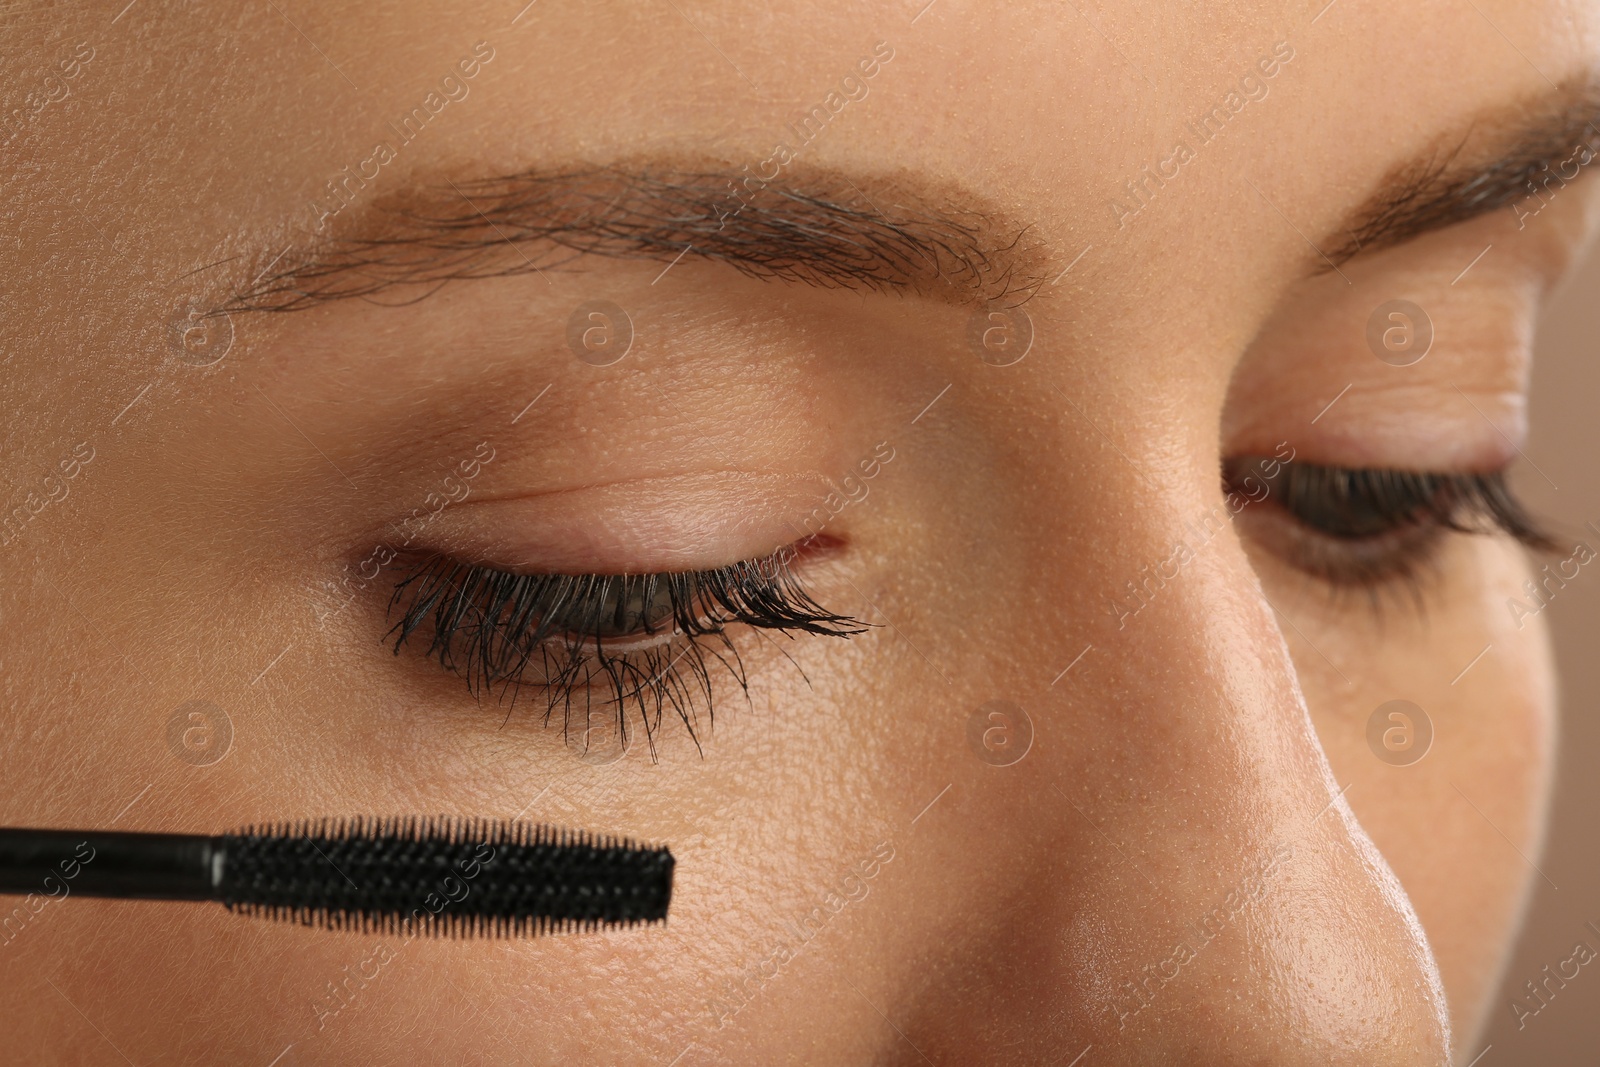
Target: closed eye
1363	527
640	641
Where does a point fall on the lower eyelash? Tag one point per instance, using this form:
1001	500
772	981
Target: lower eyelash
648	640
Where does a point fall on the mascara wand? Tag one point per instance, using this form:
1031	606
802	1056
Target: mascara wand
437	876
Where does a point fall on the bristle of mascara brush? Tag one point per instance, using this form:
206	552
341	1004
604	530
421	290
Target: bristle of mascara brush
443	876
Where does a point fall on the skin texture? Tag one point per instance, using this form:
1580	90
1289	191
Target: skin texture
1198	801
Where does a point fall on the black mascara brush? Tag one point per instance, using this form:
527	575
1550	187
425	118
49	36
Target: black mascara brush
441	876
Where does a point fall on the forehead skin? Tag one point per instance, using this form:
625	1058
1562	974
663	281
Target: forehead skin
1049	126
187	156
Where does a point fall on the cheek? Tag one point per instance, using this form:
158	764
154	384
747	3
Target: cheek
1486	772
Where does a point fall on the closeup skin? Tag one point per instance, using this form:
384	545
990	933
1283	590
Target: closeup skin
1197	858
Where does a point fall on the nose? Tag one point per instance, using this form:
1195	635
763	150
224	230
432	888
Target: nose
1203	894
1254	921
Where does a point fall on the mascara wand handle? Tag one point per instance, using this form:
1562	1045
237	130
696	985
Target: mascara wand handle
110	864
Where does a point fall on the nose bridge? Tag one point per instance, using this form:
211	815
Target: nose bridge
1259	922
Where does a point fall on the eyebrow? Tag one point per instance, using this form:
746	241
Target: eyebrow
1524	148
912	236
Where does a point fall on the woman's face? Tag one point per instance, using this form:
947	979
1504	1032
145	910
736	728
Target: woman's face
1067	344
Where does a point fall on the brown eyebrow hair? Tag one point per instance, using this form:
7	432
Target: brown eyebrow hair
909	237
817	226
1445	186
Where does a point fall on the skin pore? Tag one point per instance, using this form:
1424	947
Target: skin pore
1198	857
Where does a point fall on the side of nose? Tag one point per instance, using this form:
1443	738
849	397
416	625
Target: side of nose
1213	899
1260	925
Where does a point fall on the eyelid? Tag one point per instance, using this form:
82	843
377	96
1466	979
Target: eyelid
680	523
501	631
1369	526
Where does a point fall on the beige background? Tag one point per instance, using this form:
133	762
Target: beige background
1565	436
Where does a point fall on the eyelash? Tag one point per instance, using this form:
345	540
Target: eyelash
1364	528
1357	528
551	631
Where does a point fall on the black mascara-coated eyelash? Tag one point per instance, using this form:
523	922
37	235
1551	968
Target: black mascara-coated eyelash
1372	525
562	631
